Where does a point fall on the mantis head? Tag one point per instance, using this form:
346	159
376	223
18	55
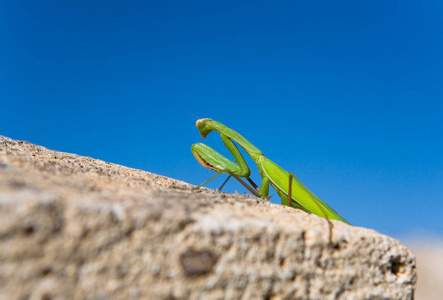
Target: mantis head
204	126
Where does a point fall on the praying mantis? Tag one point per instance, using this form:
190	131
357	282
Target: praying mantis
284	183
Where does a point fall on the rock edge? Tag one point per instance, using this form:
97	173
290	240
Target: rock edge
73	227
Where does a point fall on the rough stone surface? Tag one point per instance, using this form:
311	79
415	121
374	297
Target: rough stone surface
73	227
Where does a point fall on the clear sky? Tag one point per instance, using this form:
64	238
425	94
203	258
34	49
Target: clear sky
346	94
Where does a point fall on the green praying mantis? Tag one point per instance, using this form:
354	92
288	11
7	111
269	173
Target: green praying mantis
285	183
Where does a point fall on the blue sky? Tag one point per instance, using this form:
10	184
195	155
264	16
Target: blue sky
346	94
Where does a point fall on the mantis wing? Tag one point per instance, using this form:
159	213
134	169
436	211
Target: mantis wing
306	200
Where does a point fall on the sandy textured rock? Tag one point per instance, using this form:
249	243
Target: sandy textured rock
77	227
